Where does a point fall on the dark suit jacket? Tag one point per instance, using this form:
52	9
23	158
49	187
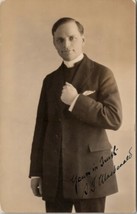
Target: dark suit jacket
79	136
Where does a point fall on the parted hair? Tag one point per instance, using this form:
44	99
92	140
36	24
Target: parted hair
65	20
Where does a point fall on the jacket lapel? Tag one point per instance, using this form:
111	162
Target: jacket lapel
81	79
59	83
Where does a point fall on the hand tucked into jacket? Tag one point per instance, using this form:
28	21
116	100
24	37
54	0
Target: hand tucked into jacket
69	93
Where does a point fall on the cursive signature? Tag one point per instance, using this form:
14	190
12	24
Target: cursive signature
91	181
104	177
105	160
77	179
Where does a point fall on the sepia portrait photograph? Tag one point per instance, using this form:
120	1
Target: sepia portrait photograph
67	94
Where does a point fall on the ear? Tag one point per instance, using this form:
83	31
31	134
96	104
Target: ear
83	40
54	42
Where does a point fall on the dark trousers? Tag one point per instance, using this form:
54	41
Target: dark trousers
83	205
60	204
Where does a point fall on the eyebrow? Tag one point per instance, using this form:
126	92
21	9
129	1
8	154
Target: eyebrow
59	38
67	36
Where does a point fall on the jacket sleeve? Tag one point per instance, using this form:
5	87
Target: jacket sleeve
39	134
106	111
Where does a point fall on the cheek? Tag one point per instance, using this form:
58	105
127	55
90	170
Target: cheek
58	48
78	47
79	44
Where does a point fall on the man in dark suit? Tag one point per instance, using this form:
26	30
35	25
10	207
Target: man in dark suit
71	157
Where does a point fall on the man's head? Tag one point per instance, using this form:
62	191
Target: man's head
68	38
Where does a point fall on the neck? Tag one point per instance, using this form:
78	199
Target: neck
71	63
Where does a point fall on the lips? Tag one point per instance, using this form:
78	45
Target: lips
67	51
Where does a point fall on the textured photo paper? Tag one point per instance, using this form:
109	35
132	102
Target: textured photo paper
27	55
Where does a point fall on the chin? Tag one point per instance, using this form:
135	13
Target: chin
68	58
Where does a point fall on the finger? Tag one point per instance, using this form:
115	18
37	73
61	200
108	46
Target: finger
64	86
40	189
63	91
62	98
67	83
35	183
39	192
35	191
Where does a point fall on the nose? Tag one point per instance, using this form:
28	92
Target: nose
66	43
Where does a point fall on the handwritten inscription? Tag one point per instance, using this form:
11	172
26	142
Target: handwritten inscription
104	177
105	160
90	181
77	179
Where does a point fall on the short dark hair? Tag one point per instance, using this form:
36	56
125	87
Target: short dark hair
65	20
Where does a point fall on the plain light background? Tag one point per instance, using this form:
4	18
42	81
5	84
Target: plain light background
27	55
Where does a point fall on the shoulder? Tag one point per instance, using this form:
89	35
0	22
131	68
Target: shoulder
103	74
100	70
97	67
52	75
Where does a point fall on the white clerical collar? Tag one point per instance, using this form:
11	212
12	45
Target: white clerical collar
71	63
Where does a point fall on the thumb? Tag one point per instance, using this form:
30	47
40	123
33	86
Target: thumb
40	187
67	83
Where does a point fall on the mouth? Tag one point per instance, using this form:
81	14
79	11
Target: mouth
66	51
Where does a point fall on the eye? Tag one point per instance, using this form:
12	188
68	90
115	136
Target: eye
71	38
60	40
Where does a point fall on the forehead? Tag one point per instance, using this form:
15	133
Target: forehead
66	29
